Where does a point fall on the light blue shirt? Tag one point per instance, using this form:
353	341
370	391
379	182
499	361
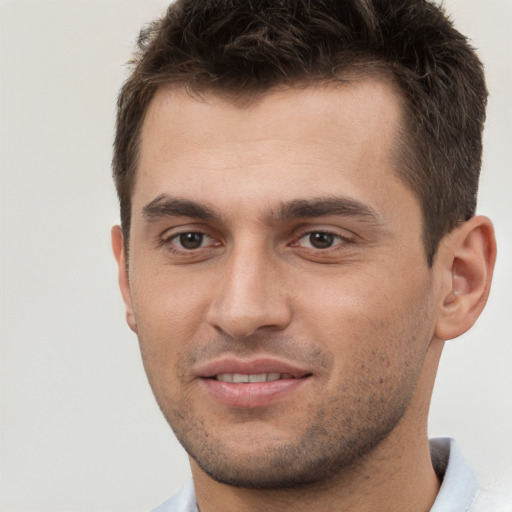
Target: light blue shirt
460	490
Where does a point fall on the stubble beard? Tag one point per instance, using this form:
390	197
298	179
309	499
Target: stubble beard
334	443
334	437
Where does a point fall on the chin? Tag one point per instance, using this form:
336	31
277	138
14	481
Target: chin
267	475
309	461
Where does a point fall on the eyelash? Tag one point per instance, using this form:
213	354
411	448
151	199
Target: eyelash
171	244
341	239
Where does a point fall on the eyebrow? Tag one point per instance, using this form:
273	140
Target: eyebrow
323	206
168	206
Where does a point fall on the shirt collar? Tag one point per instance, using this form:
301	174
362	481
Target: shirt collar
460	483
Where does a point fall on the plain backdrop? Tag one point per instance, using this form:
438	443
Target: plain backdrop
79	428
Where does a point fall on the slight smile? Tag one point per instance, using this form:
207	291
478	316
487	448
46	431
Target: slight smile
248	384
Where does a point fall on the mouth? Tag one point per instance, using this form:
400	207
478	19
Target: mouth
240	378
249	384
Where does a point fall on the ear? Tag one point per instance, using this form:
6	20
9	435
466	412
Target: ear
124	282
466	257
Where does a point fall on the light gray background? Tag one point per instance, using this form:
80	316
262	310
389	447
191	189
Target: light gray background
79	426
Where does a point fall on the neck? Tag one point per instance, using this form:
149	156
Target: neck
397	476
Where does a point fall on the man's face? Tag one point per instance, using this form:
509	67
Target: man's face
273	243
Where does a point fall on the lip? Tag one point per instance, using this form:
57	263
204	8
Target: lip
250	367
252	394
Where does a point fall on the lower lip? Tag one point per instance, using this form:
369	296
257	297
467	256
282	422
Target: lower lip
254	394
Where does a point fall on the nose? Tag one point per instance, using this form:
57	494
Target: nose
250	295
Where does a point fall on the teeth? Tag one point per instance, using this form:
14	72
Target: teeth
260	377
226	377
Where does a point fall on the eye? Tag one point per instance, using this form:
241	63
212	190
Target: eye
320	240
191	240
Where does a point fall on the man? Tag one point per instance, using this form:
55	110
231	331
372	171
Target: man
298	237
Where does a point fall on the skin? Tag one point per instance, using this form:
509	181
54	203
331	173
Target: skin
360	313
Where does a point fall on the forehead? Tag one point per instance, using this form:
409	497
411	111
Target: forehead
283	144
356	103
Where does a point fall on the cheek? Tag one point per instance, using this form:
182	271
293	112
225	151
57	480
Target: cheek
168	316
169	305
358	314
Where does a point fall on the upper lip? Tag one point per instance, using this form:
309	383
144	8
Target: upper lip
257	366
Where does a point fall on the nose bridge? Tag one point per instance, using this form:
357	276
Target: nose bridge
249	295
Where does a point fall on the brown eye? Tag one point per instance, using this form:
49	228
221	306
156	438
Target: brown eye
193	245
321	240
191	240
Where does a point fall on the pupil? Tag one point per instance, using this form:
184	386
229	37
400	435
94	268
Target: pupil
191	240
321	240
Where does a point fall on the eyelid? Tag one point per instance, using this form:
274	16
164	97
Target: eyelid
166	238
340	240
343	234
177	236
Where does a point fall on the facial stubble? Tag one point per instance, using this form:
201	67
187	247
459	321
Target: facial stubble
337	435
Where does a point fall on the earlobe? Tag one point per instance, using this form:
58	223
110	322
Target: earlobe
124	282
467	262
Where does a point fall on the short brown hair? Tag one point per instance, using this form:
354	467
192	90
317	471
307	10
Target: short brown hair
246	47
